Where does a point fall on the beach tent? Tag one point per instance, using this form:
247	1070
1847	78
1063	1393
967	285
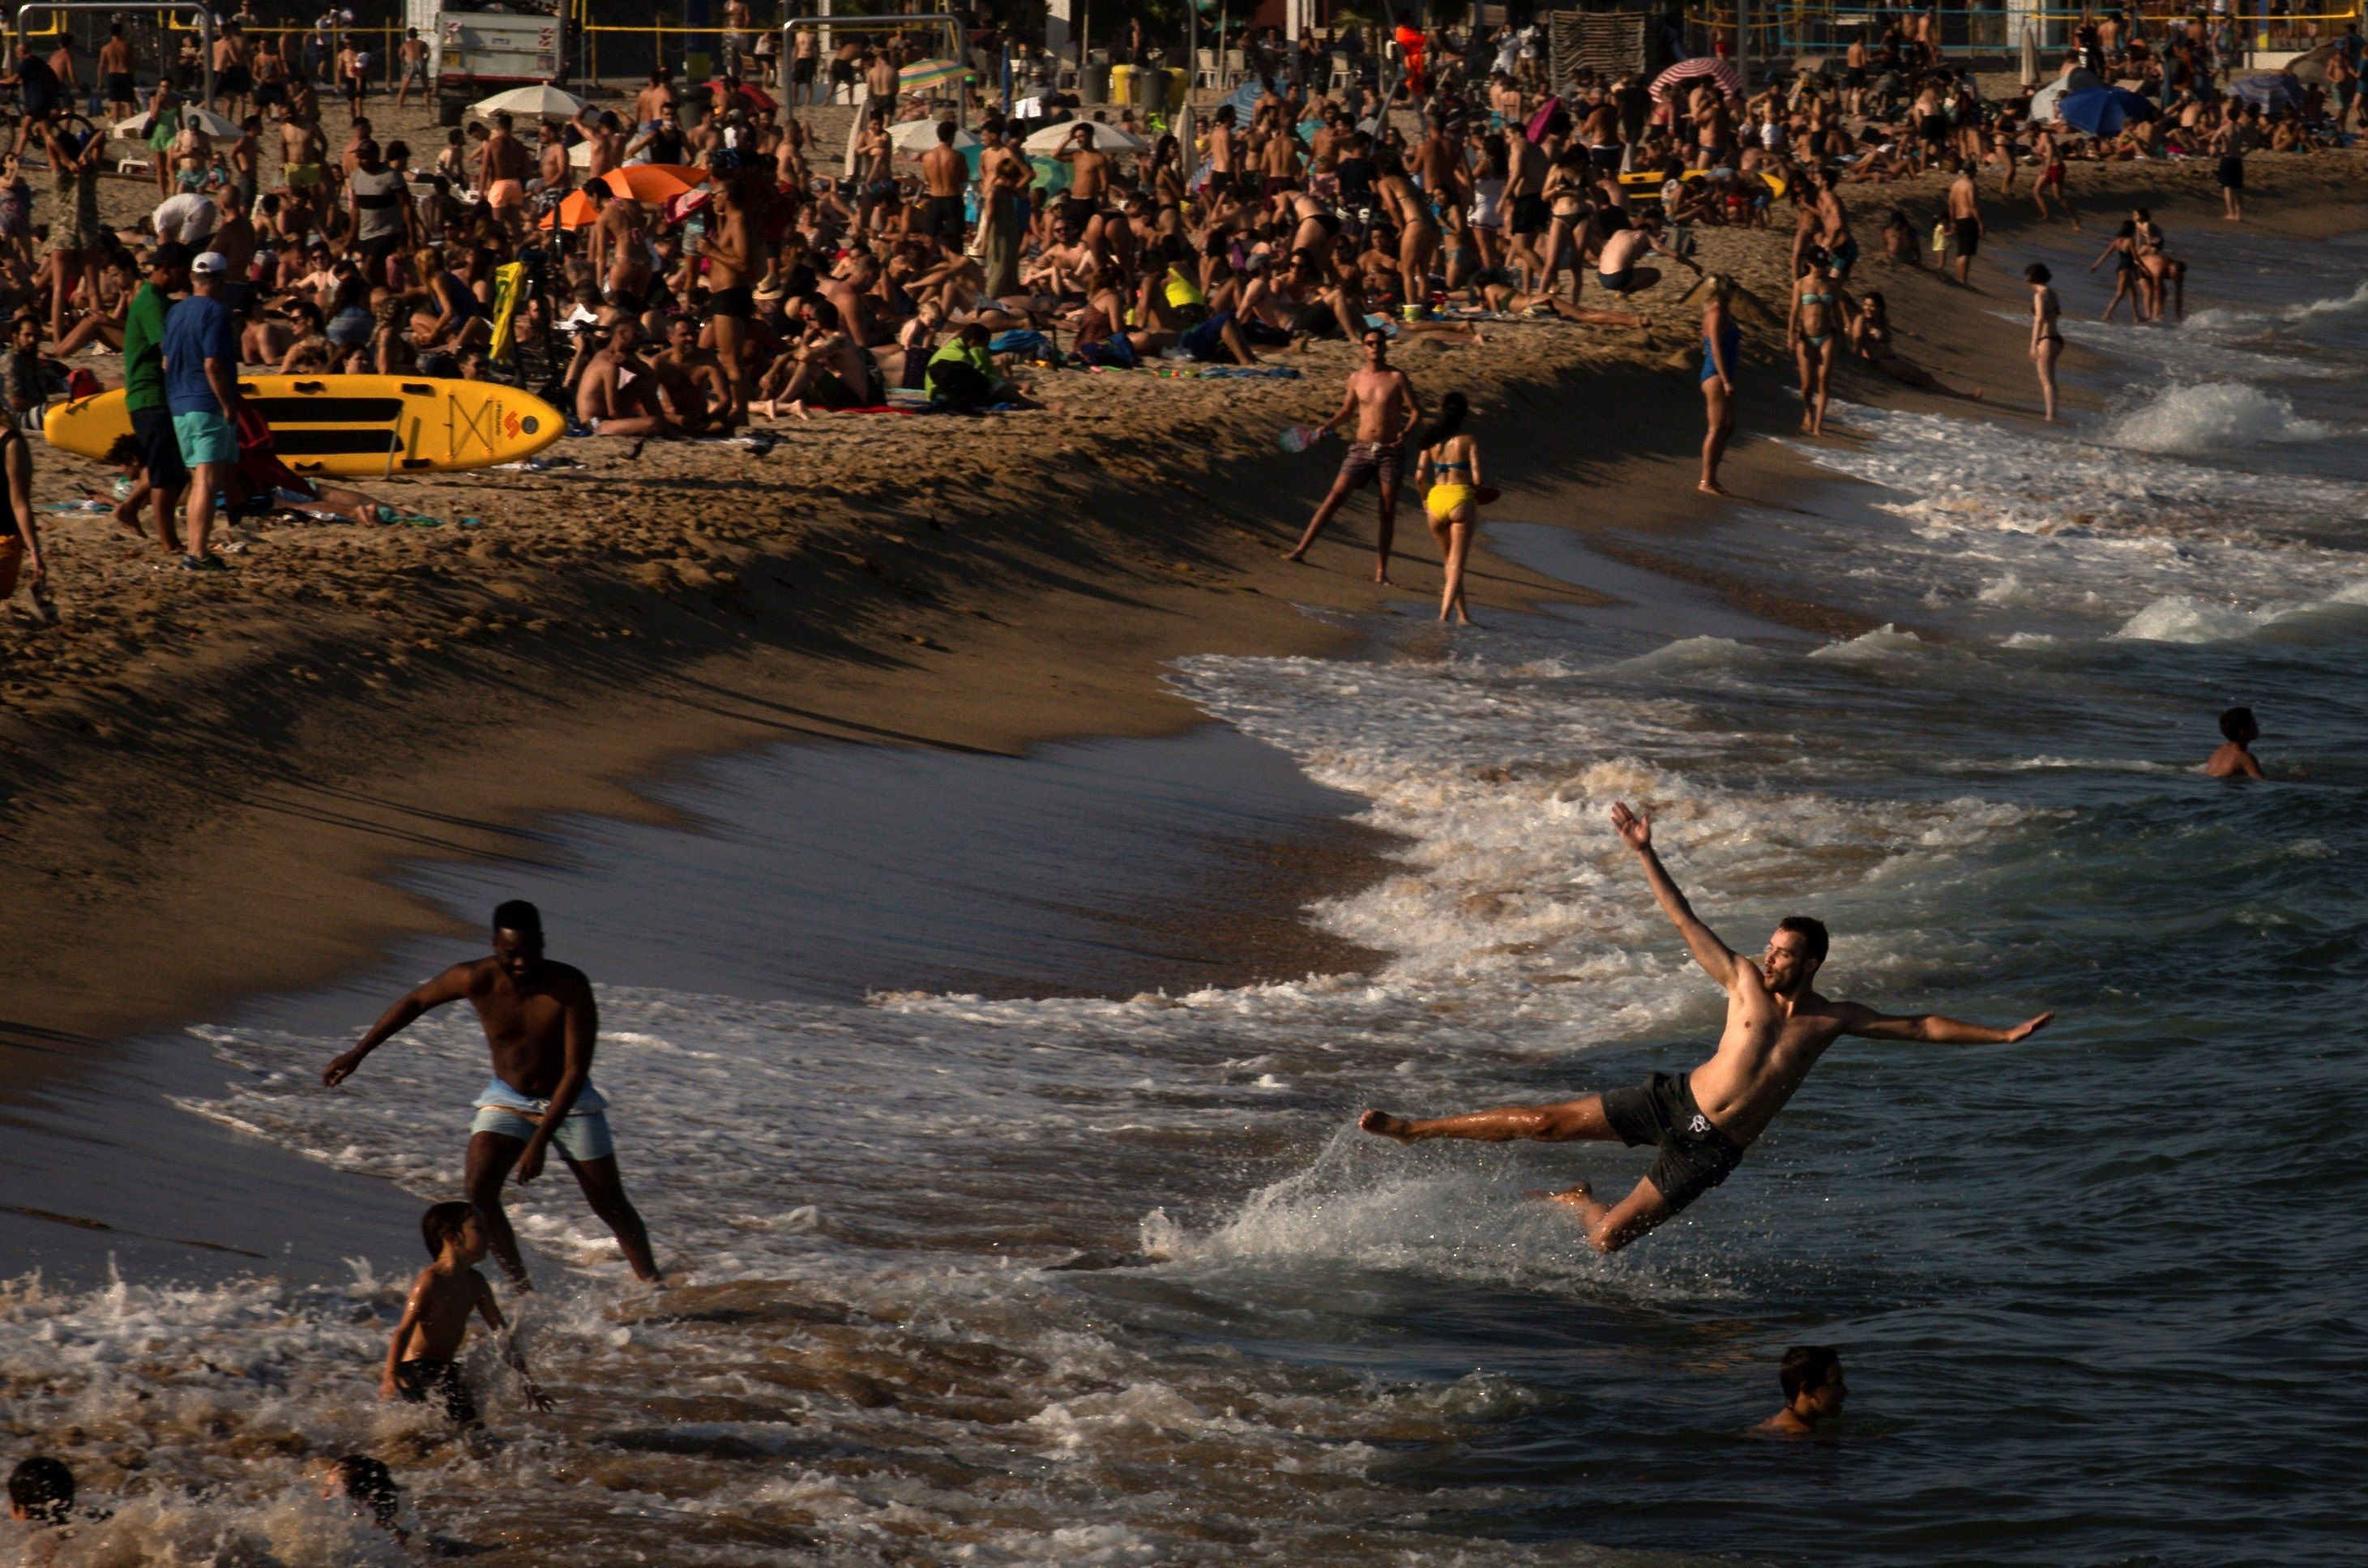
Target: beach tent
913	137
212	124
1108	138
2102	111
540	101
2267	90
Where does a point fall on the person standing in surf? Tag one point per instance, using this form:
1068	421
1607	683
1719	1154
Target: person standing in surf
540	1024
1721	357
1777	1028
2046	335
1383	402
1449	472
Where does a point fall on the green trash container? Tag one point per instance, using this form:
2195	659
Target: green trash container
1151	91
1094	83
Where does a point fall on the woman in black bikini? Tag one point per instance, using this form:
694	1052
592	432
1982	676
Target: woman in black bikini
2127	284
2047	337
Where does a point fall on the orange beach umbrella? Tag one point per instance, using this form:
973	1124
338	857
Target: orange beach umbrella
655	184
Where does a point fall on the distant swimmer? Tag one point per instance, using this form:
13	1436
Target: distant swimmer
2234	758
540	1023
1814	1390
1777	1028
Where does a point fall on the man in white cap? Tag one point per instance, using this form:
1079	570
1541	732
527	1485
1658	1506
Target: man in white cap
201	391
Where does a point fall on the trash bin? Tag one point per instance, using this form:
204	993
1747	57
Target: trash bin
1094	83
1150	91
1122	83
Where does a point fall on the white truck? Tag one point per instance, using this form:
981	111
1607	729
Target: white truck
489	47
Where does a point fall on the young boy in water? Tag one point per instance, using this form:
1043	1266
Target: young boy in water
1814	1390
2235	759
422	1360
40	1492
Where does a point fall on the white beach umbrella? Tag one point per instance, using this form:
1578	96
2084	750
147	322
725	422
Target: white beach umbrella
2042	102
541	101
913	137
136	128
1108	138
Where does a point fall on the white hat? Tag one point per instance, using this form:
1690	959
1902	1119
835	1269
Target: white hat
212	263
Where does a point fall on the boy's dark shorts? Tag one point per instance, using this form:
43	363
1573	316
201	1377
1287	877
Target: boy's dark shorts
426	1381
1695	1155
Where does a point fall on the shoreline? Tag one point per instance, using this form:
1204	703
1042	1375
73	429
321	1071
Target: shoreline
219	812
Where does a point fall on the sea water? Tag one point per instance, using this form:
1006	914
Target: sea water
989	1274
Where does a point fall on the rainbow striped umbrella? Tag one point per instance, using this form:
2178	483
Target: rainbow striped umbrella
929	73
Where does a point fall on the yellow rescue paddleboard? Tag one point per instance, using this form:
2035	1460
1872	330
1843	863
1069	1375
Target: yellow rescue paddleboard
355	426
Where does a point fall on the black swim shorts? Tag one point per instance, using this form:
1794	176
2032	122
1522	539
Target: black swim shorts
2232	173
1968	235
740	304
1695	1155
1529	214
430	1382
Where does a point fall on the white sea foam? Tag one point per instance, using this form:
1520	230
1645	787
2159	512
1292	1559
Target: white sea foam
2213	416
2180	618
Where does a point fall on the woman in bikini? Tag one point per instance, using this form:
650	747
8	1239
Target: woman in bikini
1722	358
1566	199
2128	282
1449	475
2046	336
1813	332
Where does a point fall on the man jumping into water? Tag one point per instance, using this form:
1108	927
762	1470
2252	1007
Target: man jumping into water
540	1023
1776	1029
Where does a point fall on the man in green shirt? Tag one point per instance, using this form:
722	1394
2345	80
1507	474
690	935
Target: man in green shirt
163	476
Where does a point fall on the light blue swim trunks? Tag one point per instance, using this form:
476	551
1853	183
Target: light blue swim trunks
584	1135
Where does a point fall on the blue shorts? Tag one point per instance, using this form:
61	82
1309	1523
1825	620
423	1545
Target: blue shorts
204	437
581	1137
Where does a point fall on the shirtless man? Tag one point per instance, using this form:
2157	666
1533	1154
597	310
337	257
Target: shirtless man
541	1025
654	98
502	168
619	393
1777	1027
1224	154
693	381
880	81
115	70
943	174
1387	410
1965	225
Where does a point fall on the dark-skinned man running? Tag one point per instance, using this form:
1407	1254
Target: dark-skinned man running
540	1024
1777	1027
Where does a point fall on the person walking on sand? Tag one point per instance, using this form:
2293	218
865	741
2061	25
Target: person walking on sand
1722	355
1777	1028
1966	226
1449	473
541	1025
1386	410
2046	335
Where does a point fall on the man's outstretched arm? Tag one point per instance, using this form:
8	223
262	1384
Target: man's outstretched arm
1715	957
449	986
1934	1029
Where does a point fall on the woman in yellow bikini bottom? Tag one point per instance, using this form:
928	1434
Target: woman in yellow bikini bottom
1450	466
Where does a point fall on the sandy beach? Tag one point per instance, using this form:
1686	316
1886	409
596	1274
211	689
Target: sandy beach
204	778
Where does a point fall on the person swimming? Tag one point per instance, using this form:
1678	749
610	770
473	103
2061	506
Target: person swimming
2234	758
1811	1377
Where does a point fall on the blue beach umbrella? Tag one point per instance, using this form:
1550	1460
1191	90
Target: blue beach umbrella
2102	111
2269	90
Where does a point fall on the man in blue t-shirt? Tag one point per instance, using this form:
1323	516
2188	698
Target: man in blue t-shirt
201	391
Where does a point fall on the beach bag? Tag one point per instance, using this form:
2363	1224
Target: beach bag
1110	353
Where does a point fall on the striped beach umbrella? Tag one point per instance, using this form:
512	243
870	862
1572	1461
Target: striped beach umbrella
929	73
1730	80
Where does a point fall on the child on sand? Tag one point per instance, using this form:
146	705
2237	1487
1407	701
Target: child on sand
1814	1390
422	1363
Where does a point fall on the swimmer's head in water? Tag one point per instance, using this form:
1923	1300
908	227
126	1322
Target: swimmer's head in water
1815	1370
2238	726
454	1225
41	1491
1794	952
369	1483
518	937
